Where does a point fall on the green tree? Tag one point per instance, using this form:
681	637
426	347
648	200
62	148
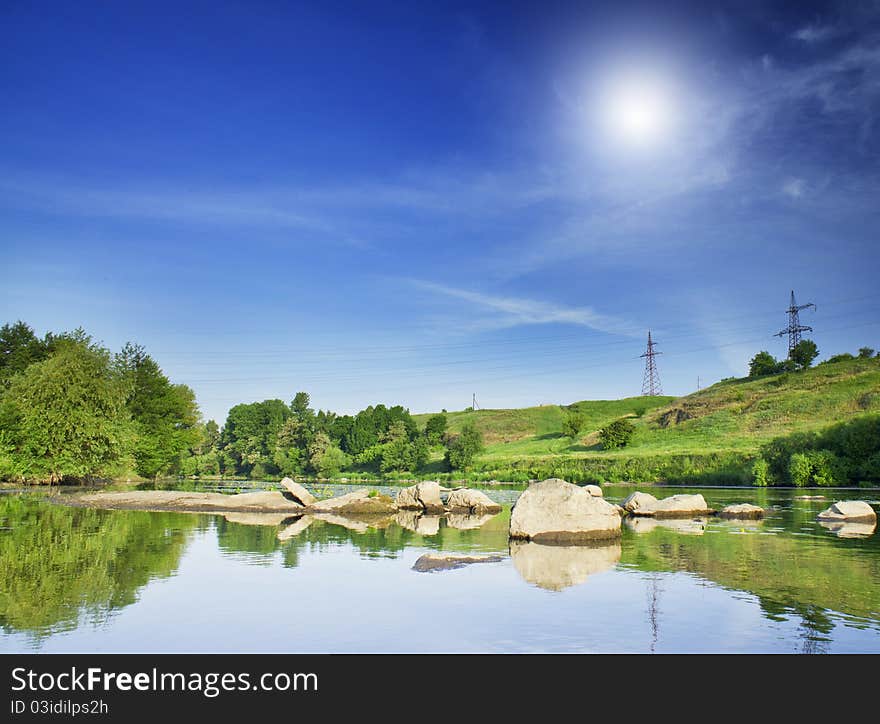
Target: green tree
19	348
65	417
435	428
324	457
165	415
618	434
803	353
573	424
764	363
464	447
865	352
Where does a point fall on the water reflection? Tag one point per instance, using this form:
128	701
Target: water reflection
849	530
556	567
685	526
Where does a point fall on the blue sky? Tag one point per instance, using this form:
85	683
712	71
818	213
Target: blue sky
411	203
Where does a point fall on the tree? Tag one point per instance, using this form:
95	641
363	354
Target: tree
865	352
764	363
324	457
573	424
65	417
165	415
618	434
19	348
464	447
435	428
250	436
803	353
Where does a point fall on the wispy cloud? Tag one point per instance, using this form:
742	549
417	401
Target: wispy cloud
794	187
505	311
815	33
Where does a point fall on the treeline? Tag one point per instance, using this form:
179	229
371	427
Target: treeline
72	410
272	438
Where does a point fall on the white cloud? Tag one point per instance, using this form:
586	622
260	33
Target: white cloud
794	187
815	33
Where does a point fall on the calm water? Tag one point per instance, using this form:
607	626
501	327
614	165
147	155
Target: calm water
77	580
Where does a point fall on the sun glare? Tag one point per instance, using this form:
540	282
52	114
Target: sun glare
637	112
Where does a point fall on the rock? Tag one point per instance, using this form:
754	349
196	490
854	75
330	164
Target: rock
676	506
358	502
474	502
742	511
693	526
849	510
298	492
422	524
556	511
433	562
844	529
424	496
467	522
267	501
636	501
594	490
556	567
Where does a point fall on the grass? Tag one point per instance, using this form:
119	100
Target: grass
710	436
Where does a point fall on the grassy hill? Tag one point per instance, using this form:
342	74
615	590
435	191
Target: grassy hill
710	436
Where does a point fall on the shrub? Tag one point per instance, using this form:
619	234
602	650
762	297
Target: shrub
760	473
617	434
464	447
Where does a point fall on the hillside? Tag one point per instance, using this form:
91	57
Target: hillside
713	432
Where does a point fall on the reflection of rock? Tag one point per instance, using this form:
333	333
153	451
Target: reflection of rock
594	490
694	526
467	522
357	503
636	501
257	518
675	506
298	492
844	529
849	510
464	500
432	562
421	524
358	526
424	496
742	511
554	510
809	497
294	529
556	567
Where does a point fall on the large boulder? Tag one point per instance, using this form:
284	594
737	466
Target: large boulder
636	501
424	496
555	567
556	511
742	511
849	510
593	490
676	506
474	502
298	492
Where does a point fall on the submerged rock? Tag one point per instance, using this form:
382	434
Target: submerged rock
742	511
849	510
424	496
433	562
474	502
556	567
636	501
556	511
298	492
844	529
594	490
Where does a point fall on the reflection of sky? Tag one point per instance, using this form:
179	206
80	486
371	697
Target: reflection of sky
335	599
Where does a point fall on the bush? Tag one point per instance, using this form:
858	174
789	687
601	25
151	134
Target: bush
760	473
573	424
463	448
815	467
617	434
764	363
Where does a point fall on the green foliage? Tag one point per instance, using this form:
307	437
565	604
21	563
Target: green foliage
435	428
845	357
573	424
866	352
764	363
64	418
463	448
618	434
760	473
804	353
19	348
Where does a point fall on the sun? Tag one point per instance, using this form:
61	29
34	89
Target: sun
637	111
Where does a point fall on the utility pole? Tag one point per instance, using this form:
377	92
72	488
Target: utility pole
651	380
698	383
794	328
474	405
